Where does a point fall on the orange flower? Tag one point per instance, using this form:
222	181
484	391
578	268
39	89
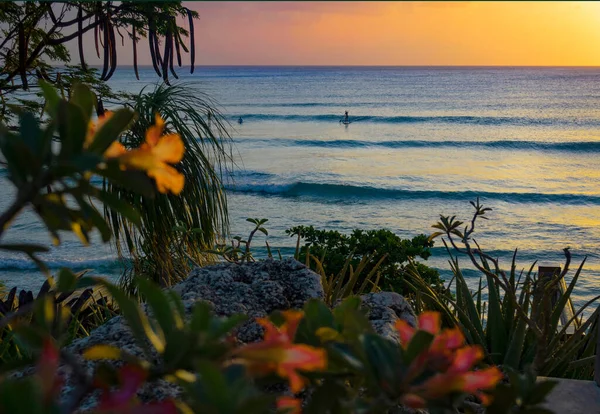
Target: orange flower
289	405
115	149
277	353
449	359
155	155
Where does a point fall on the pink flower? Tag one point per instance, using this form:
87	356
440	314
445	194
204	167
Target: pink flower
124	399
450	360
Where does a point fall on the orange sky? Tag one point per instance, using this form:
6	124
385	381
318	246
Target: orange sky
395	33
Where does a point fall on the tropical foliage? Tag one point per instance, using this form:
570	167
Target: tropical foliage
34	33
335	354
387	253
159	249
520	322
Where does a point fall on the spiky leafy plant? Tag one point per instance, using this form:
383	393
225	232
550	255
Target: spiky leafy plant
520	324
157	250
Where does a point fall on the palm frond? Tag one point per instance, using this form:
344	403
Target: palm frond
156	250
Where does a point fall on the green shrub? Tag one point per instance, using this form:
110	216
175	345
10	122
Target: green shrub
333	248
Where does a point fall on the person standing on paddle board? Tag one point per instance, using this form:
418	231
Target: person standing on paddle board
346	117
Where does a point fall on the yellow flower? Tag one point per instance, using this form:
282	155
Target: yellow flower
155	155
277	353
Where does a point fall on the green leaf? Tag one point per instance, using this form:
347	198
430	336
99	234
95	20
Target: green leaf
201	315
67	280
161	309
263	230
96	218
110	131
496	328
84	98
121	206
31	134
540	391
419	343
51	96
136	320
385	363
72	128
22	396
136	181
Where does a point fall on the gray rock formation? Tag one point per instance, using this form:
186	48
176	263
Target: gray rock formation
385	308
253	289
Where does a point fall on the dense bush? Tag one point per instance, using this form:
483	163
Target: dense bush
332	248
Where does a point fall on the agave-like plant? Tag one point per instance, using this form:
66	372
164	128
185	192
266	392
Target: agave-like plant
156	248
521	324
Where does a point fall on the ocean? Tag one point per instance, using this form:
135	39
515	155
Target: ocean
423	141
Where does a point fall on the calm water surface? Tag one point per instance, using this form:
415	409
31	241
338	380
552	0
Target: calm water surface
423	142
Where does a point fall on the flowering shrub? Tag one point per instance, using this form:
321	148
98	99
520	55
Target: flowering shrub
331	353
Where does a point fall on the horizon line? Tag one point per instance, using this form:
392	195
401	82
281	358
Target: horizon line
355	66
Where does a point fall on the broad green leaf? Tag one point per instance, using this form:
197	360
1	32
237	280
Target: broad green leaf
84	98
385	364
201	316
67	281
136	181
72	129
110	131
136	320
51	96
31	134
419	343
159	304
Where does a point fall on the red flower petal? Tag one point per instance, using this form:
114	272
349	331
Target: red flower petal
413	401
290	405
405	332
430	322
465	358
481	380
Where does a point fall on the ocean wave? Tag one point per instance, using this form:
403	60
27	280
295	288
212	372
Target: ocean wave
446	119
582	146
343	191
102	265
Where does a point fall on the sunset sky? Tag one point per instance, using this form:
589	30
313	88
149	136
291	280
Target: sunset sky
394	33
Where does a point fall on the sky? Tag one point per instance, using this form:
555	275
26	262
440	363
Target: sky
391	33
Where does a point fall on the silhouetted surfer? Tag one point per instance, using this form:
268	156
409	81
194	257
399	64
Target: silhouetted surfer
346	118
240	121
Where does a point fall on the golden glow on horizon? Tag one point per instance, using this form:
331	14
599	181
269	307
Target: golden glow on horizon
399	33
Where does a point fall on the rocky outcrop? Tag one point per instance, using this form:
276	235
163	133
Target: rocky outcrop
385	308
255	290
